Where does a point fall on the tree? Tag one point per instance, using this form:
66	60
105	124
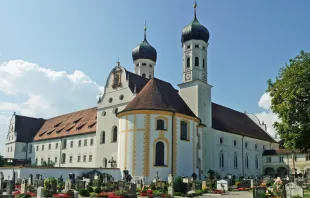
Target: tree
290	95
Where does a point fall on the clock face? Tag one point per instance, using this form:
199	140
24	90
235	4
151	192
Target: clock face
187	76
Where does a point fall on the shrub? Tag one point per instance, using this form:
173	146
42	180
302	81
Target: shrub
177	194
83	192
90	189
178	185
92	195
97	190
121	193
105	189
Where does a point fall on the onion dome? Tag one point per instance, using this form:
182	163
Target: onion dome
195	31
144	50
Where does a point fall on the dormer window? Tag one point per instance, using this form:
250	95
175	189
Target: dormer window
57	125
76	121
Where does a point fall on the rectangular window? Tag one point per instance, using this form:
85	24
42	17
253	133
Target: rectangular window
42	147
160	124
196	46
11	148
42	161
36	160
64	144
56	160
137	64
307	157
71	144
48	160
49	146
90	158
79	159
188	46
80	143
143	64
84	158
70	159
184	130
37	148
30	148
268	159
281	159
8	149
56	146
91	142
85	142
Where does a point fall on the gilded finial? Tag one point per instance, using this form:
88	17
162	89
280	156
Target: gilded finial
144	30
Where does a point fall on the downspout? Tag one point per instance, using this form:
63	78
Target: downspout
60	152
242	157
172	120
26	151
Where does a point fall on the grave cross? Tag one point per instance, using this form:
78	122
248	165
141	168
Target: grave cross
111	161
157	178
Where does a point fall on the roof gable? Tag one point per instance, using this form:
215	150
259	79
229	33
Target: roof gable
27	127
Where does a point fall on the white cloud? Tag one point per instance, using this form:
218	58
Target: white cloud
43	92
267	116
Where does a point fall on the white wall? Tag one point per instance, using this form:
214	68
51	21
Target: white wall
55	172
145	69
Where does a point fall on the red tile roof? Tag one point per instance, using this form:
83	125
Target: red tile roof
229	120
159	95
75	123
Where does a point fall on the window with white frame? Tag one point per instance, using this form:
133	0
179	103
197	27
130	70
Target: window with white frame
235	160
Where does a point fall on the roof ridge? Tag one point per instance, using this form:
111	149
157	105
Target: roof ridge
28	117
72	113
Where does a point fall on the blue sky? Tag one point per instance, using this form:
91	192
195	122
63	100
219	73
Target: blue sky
249	42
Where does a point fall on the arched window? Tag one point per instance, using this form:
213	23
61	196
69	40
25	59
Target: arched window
143	75
105	163
235	160
114	134
102	138
160	154
188	62
184	130
256	162
196	61
221	159
246	161
63	158
160	124
235	142
221	140
203	63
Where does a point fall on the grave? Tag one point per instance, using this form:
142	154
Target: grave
222	185
30	180
68	185
80	184
204	185
197	185
293	189
23	188
132	189
121	184
9	187
40	192
259	192
170	185
245	183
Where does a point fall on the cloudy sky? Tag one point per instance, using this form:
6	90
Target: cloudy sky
55	55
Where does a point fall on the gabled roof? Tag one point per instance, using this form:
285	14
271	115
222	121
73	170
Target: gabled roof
75	123
27	127
229	120
159	95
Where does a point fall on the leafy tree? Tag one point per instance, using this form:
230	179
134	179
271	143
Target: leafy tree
2	161
291	102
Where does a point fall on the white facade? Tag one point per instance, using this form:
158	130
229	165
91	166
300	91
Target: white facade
140	136
78	152
145	68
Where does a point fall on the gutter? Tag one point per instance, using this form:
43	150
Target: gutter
242	157
173	117
60	152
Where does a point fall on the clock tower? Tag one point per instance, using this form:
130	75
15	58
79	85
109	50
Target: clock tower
195	90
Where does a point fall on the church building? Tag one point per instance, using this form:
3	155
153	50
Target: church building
143	124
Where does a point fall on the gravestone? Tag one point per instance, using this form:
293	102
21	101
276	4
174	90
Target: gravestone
40	182
245	183
204	185
80	184
76	193
121	185
60	180
68	185
293	189
30	180
197	185
132	189
9	187
40	192
1	182
105	179
54	187
86	180
23	188
222	185
170	185
259	192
